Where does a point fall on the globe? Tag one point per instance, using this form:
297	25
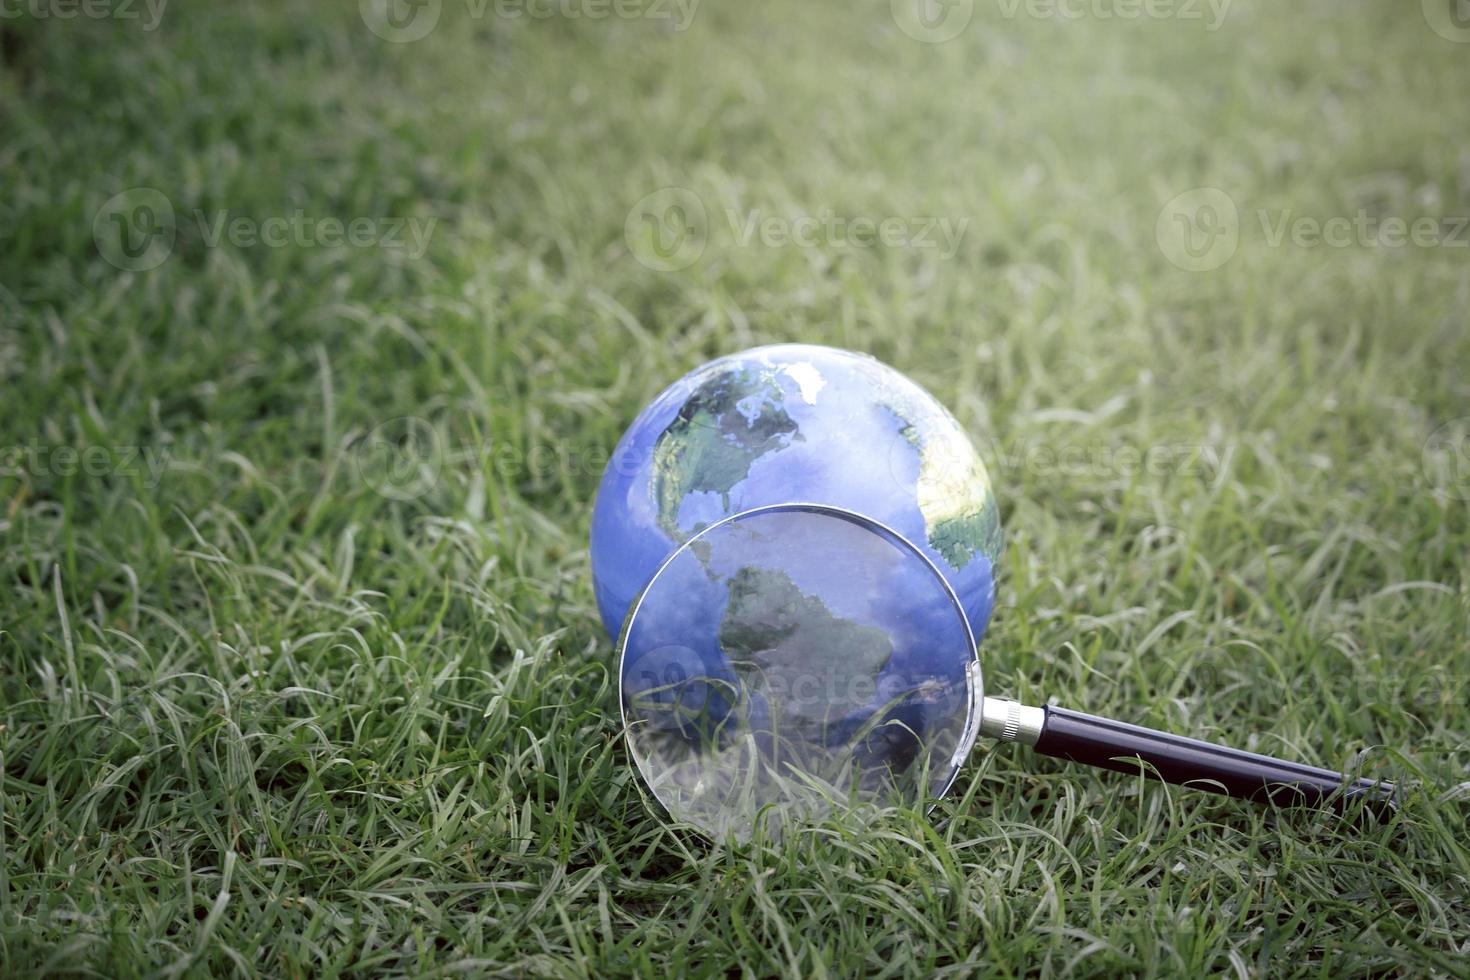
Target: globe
794	423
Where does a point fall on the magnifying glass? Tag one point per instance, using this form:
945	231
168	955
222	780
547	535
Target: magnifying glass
800	660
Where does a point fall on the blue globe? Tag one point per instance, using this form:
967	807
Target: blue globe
794	423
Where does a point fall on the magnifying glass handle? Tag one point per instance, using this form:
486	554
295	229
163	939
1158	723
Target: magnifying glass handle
1108	744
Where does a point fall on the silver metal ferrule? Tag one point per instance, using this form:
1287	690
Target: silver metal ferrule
1011	721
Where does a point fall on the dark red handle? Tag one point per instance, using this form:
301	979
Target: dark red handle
1189	762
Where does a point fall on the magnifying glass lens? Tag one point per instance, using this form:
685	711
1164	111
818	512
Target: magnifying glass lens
794	661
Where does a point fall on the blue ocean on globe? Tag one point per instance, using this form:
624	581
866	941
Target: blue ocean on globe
794	424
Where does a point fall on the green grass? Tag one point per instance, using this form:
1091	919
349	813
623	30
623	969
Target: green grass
273	708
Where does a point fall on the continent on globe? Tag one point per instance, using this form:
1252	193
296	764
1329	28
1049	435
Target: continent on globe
959	526
790	648
719	432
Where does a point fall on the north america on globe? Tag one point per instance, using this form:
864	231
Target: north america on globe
724	427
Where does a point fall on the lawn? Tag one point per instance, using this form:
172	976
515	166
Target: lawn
315	334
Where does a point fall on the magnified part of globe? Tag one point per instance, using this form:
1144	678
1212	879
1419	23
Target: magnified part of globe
790	423
792	662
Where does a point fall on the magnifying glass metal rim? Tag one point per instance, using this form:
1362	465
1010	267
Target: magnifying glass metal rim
974	680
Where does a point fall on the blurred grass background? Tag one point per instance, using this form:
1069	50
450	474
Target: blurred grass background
278	705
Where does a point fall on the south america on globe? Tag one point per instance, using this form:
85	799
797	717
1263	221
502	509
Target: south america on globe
778	638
